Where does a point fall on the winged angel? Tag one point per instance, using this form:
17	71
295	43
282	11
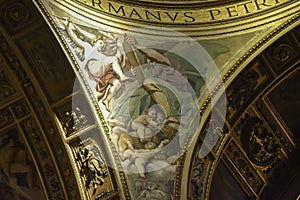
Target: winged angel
105	68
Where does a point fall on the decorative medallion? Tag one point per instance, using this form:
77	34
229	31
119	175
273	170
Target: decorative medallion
17	14
282	52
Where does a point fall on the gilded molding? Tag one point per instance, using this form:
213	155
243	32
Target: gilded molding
194	19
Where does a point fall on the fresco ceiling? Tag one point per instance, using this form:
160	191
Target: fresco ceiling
97	110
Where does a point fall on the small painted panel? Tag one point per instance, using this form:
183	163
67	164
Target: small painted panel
74	115
19	179
92	166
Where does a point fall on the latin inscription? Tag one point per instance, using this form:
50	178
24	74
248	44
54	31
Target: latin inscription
182	16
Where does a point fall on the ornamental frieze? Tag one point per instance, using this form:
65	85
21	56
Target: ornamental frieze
189	14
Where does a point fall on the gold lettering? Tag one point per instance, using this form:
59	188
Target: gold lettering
147	13
232	11
173	18
189	15
111	7
261	4
98	4
135	13
166	15
245	5
214	13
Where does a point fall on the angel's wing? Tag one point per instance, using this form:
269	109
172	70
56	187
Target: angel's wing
83	34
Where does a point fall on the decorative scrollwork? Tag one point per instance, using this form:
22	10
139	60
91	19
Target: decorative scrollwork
6	117
260	144
198	176
92	167
244	167
274	126
151	190
20	108
6	87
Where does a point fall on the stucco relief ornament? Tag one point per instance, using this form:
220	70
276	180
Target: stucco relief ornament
261	145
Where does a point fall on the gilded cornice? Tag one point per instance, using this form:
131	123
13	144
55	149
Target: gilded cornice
196	19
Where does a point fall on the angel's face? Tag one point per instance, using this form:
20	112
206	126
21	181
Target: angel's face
150	145
152	113
107	47
160	118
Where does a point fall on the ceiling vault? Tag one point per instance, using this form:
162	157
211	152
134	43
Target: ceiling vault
149	100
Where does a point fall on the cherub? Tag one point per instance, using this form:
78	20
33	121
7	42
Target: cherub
146	125
141	157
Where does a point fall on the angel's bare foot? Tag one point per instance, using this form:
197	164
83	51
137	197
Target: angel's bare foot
115	122
106	104
166	141
119	129
172	159
126	78
171	120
